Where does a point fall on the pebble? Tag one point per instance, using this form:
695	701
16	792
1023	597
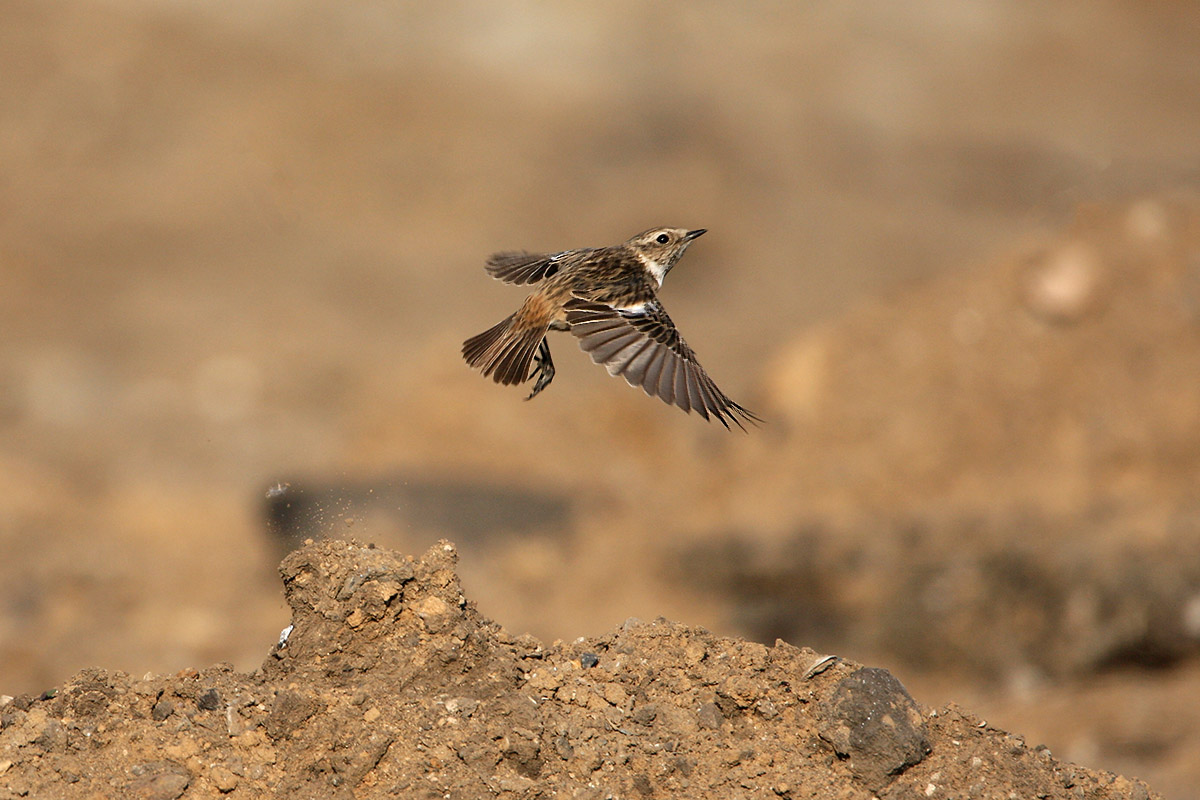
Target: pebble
709	716
646	714
209	701
223	779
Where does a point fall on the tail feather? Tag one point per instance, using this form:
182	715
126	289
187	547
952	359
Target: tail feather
475	348
504	351
513	366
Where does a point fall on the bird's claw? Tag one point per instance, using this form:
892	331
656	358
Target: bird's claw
543	369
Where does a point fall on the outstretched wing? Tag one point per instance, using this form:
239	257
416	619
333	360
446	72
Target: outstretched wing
641	344
523	268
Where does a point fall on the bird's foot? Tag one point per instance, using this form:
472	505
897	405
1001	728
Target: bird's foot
543	369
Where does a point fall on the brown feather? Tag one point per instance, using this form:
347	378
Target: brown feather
520	269
666	381
654	368
506	350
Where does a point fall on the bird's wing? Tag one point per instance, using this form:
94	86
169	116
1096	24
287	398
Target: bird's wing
642	345
523	268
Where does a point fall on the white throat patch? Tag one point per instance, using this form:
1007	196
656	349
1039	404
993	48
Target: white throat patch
653	267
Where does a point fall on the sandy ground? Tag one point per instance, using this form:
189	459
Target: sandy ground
389	683
952	260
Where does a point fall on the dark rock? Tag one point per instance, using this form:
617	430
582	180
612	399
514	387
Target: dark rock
88	703
709	716
290	711
644	715
209	701
873	721
562	745
53	738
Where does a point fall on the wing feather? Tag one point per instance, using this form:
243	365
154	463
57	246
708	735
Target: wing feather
654	367
620	364
519	268
666	381
635	368
610	349
522	268
641	344
693	389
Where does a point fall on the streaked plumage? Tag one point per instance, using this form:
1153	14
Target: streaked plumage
607	298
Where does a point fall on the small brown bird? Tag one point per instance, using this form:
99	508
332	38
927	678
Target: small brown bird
608	298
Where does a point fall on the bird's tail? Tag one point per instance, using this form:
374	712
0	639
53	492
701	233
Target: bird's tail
506	350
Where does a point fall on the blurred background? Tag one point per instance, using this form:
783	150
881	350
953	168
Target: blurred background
953	260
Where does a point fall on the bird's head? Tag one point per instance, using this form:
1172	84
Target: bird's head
660	248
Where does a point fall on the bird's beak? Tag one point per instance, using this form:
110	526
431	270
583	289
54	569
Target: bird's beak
695	234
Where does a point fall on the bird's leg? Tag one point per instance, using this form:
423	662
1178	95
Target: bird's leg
543	368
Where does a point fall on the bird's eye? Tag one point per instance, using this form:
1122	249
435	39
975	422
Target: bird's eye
663	238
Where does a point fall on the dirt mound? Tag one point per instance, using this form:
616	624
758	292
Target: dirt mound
391	683
1010	450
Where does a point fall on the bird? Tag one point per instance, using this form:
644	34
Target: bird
607	298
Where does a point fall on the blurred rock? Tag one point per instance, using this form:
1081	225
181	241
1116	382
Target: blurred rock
472	512
1006	598
1061	286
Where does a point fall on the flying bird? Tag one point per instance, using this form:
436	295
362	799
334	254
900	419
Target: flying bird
607	298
